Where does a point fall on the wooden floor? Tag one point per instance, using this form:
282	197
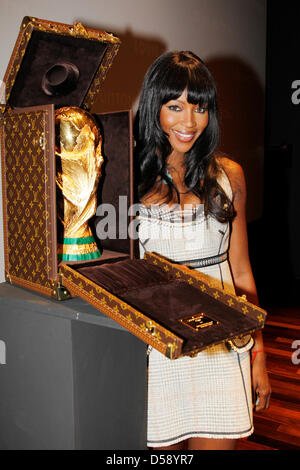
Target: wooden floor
278	428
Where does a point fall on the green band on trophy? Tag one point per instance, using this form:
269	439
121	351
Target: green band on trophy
78	249
78	241
85	257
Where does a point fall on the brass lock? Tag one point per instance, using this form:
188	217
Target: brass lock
42	141
243	298
170	351
39	141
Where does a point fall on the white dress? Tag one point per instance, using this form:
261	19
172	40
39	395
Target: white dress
208	395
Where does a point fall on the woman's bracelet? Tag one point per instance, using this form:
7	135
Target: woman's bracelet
254	353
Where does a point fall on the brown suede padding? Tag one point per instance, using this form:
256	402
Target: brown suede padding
115	179
123	276
165	299
45	51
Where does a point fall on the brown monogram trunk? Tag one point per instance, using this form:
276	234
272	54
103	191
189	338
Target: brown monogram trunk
28	147
29	198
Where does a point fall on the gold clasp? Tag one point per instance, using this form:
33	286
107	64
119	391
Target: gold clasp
59	292
78	29
42	141
243	298
39	141
170	351
150	328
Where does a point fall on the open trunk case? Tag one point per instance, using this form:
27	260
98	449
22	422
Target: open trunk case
28	146
176	310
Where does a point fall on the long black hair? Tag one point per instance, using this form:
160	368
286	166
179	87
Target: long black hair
166	79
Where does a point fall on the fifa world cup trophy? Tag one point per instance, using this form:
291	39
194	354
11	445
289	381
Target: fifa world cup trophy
79	160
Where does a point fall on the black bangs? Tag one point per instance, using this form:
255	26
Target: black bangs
174	82
201	88
198	81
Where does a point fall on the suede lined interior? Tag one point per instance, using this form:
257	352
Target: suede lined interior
123	276
149	289
43	52
115	180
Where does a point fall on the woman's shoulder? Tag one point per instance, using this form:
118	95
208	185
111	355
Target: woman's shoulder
231	167
234	173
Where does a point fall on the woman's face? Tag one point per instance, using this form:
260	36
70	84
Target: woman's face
183	122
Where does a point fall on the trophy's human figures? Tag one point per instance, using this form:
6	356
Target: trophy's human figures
78	151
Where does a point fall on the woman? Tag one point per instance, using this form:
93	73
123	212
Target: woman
192	204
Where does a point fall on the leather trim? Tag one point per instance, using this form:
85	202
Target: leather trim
31	286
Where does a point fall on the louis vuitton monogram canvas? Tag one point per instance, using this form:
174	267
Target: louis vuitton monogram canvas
28	191
27	138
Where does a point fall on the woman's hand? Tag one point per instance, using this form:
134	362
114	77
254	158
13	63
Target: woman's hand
260	381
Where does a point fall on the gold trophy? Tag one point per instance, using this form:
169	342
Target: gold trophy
78	150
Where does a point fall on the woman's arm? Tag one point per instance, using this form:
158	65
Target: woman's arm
243	278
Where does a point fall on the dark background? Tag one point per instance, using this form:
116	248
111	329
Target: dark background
274	239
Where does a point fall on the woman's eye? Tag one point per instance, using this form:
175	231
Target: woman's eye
174	107
201	110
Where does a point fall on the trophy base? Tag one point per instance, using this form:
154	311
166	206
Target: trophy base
78	249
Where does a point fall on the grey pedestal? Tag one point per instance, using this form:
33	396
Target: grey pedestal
70	377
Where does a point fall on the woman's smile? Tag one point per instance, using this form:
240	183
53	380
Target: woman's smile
184	136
